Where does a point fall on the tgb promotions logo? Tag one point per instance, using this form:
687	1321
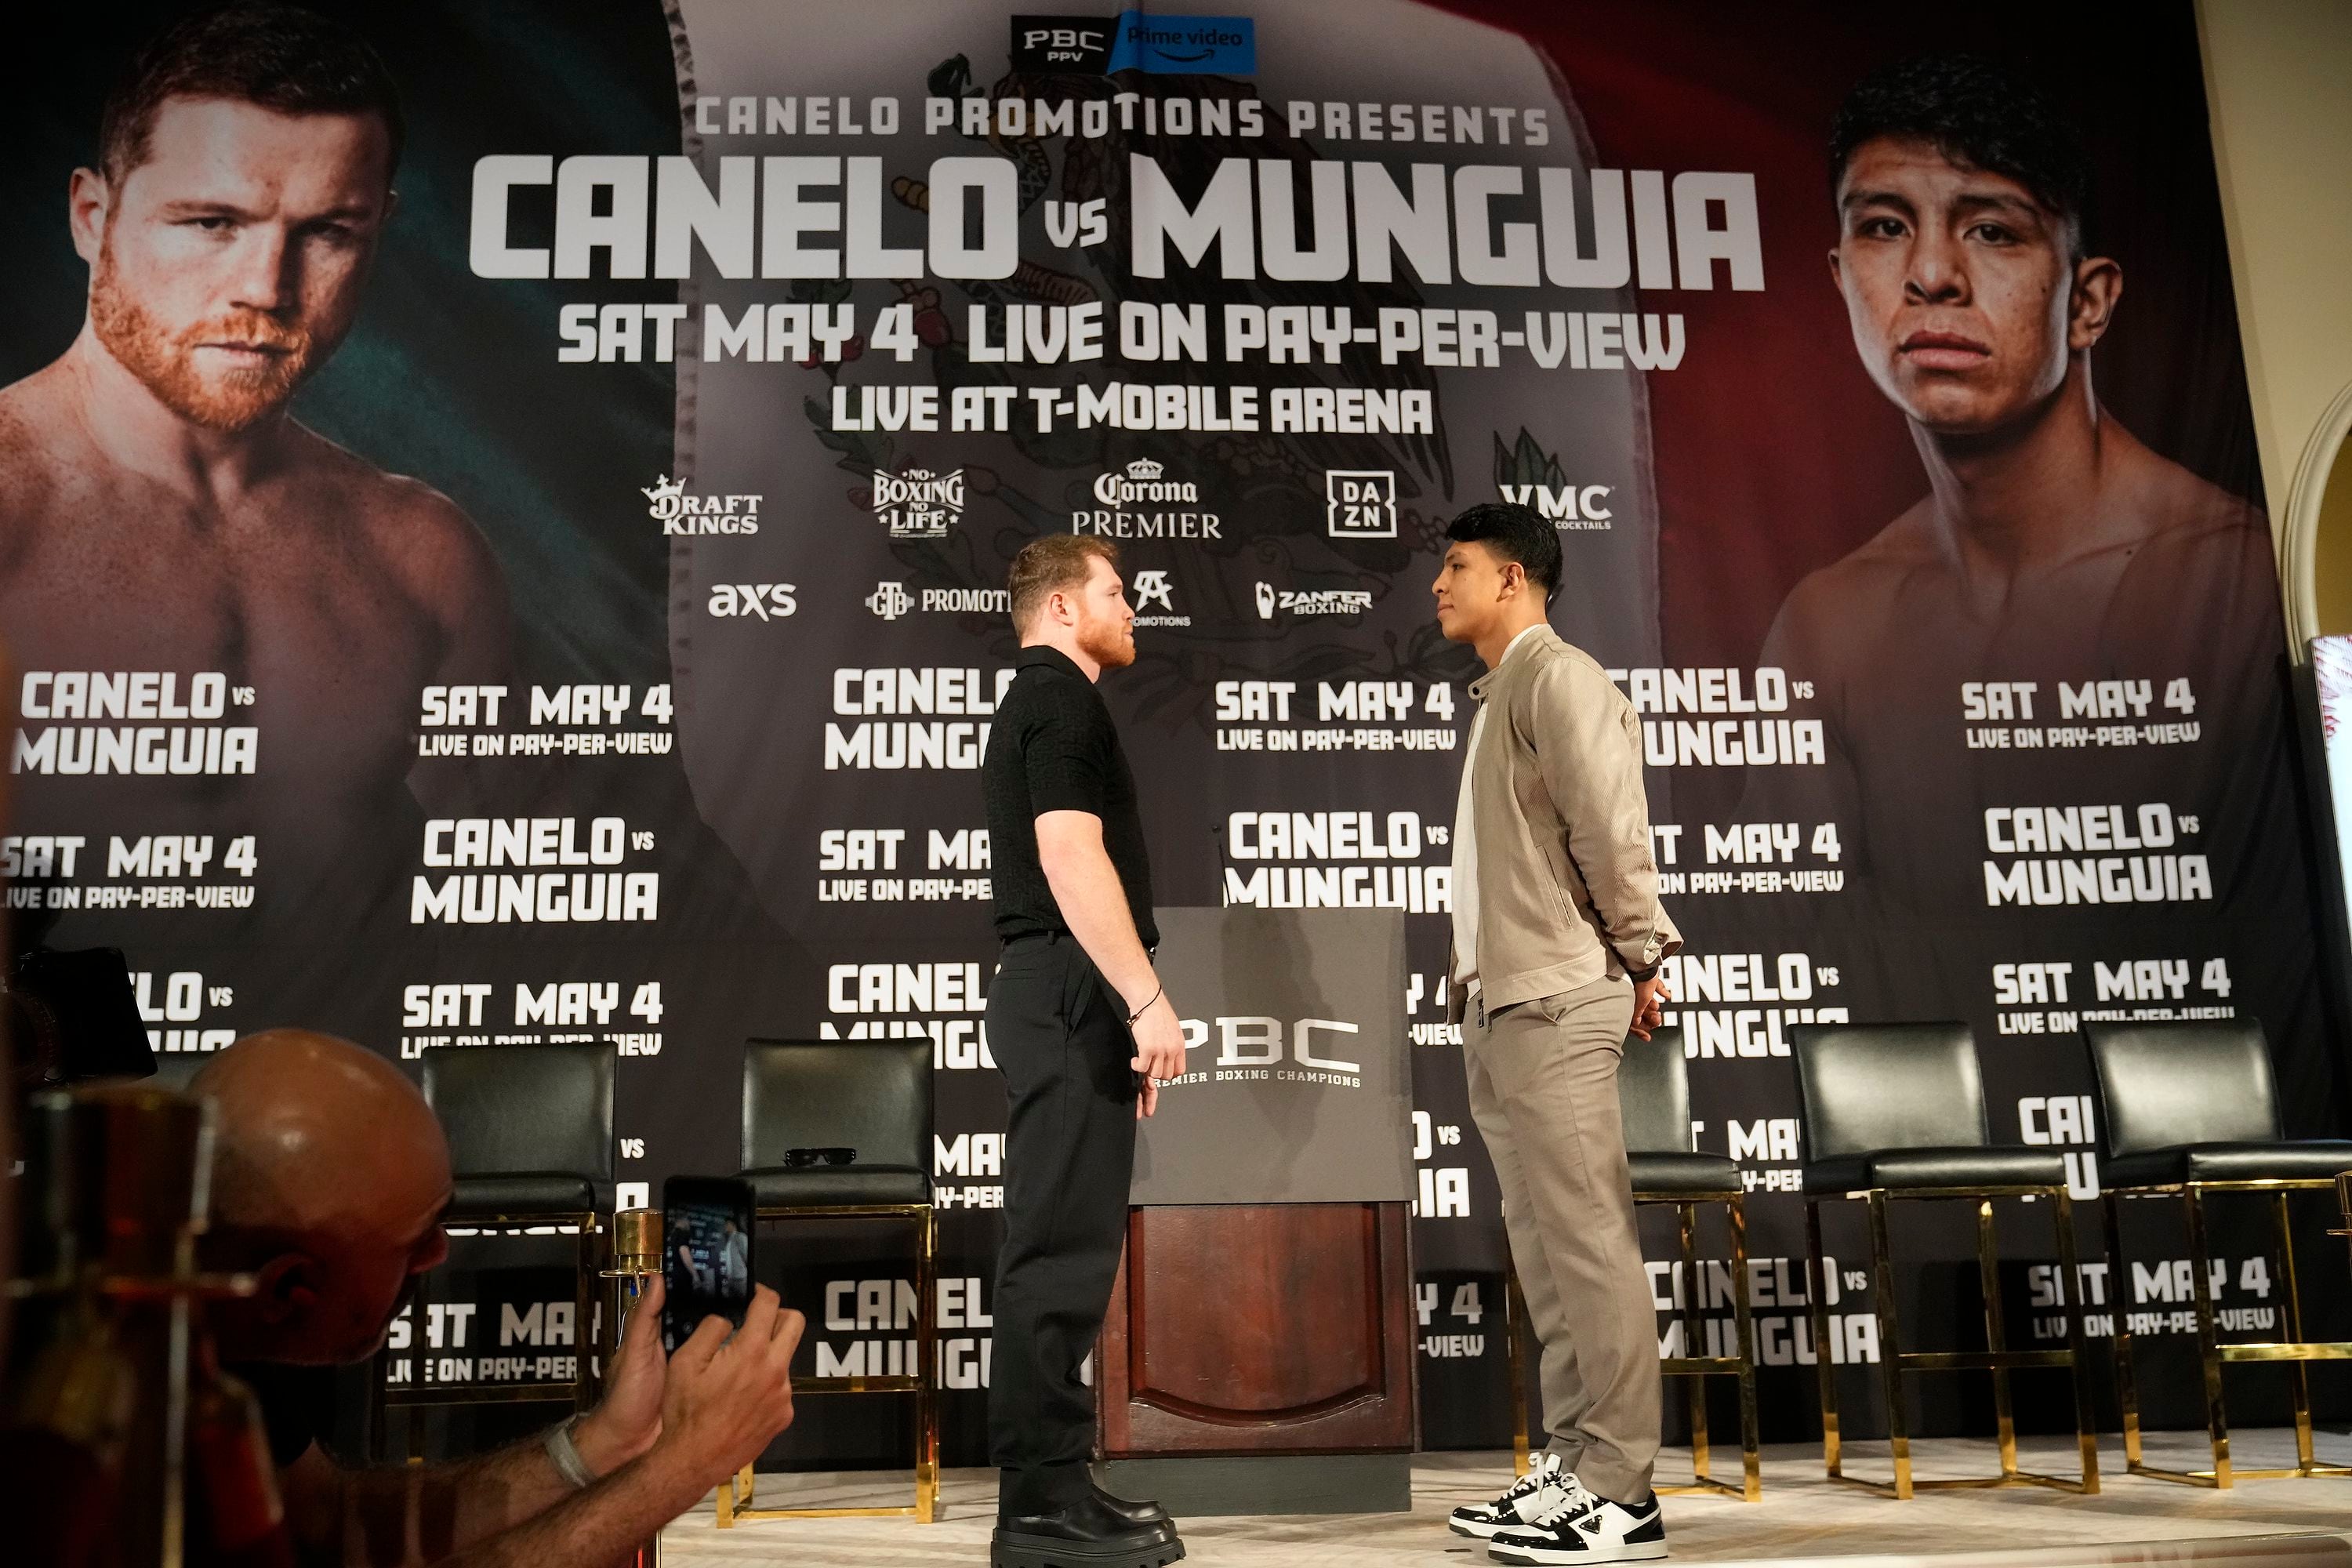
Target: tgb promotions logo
889	600
1361	503
682	514
1311	601
917	503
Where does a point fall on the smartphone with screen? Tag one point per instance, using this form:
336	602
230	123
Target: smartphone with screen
705	1254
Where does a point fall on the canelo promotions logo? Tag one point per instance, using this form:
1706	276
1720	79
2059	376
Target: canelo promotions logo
915	504
1152	587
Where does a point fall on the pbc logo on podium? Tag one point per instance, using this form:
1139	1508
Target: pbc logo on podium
1361	503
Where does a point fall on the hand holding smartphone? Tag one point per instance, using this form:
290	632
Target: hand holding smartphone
705	1254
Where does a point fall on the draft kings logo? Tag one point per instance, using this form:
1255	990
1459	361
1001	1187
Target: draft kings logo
682	514
915	504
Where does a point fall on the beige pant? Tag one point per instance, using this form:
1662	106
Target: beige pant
1543	1090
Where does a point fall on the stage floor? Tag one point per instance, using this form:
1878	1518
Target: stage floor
1802	1517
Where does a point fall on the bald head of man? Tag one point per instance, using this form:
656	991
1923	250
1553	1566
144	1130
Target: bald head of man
330	1178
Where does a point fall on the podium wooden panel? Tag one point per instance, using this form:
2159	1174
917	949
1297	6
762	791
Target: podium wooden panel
1260	1330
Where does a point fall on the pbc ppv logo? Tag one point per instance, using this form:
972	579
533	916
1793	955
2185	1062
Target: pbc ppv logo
1153	587
918	503
1071	45
764	601
1311	602
891	600
667	503
1361	503
1566	506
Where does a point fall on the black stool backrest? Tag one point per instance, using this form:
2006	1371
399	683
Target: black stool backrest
873	1096
1867	1086
2163	1085
518	1109
1653	1093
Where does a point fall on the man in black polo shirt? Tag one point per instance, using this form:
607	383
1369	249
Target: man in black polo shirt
1081	1030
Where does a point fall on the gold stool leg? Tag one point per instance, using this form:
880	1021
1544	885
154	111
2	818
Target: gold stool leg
1818	1278
1693	1338
2119	1345
2291	1315
2078	1354
2217	1420
1988	1274
589	1366
1890	1342
1515	1312
1750	1450
926	1339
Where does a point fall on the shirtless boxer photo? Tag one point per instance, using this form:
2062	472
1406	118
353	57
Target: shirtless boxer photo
161	510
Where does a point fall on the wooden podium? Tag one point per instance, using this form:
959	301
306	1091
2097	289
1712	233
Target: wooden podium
1258	1356
1259	1359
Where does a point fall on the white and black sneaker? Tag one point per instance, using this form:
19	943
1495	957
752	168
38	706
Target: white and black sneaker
1531	1497
1586	1529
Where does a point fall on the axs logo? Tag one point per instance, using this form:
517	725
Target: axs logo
767	601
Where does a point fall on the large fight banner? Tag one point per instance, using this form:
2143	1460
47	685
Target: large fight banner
508	545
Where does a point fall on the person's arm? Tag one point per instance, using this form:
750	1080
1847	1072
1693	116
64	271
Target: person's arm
1588	746
1093	901
448	1507
728	1396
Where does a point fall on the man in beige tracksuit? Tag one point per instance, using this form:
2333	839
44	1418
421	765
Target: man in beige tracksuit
1557	934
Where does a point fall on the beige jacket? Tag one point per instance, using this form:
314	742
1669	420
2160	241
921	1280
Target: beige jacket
1568	890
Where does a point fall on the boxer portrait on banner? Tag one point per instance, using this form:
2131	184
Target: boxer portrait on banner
2052	546
1083	1031
160	510
1558	937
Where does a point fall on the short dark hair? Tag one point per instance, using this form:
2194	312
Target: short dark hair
1980	115
1515	534
283	58
1049	564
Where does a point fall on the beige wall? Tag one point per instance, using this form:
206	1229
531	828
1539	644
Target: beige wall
2278	75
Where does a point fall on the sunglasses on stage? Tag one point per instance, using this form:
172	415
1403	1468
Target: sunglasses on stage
795	1159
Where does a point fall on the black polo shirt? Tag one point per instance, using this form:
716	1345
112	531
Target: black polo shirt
1052	748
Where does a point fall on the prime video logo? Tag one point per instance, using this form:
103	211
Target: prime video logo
1186	46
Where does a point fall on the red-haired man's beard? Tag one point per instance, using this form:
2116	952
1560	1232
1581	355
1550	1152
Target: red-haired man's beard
1108	642
230	398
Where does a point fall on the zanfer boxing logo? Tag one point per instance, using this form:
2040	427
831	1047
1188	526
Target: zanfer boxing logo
1311	601
681	514
889	600
918	503
1361	503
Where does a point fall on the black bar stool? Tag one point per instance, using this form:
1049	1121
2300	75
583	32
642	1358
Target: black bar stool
873	1096
1896	1111
2189	1108
531	1144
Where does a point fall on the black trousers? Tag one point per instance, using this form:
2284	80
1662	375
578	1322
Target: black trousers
1061	1040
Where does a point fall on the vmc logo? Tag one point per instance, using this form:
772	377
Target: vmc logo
1361	503
1564	506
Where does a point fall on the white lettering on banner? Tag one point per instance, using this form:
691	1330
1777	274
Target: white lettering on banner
801	215
1749	1031
2030	832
